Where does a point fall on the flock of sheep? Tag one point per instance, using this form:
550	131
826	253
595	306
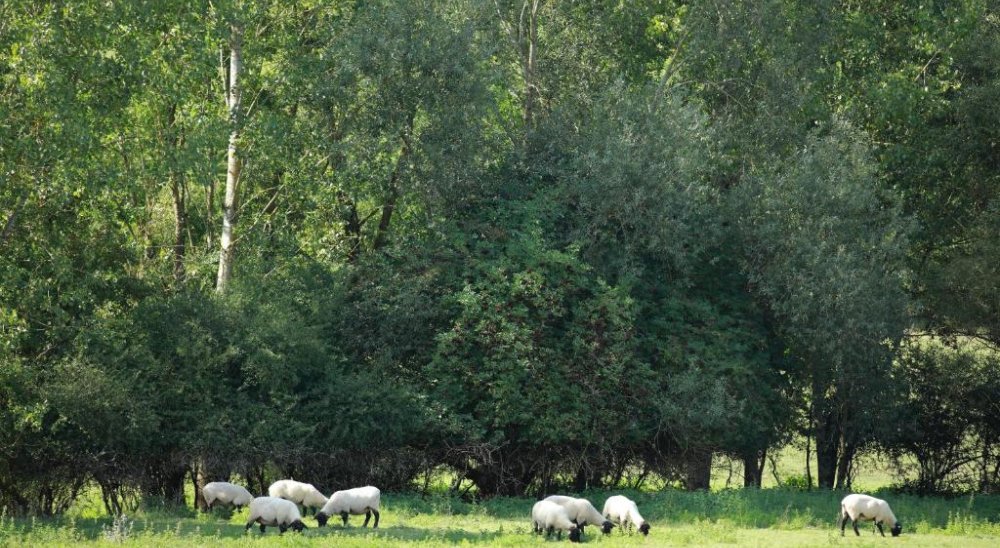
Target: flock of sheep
554	514
280	508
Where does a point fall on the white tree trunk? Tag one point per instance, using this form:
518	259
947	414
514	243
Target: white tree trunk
234	164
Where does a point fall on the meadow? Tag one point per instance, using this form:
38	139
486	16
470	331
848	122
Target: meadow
779	515
733	517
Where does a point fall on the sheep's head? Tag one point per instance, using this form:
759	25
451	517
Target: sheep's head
298	526
574	534
322	518
896	529
607	526
644	528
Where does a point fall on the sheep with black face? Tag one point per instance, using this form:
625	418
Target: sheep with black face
856	507
582	512
357	501
275	511
549	517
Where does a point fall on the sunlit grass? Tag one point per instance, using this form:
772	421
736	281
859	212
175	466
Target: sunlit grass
737	517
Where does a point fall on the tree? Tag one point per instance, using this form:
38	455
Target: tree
823	253
940	424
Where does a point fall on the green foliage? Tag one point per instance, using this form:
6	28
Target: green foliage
539	248
947	426
538	358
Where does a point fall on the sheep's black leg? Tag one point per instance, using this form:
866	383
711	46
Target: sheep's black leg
262	528
375	526
843	523
548	531
879	525
282	528
854	522
343	516
558	534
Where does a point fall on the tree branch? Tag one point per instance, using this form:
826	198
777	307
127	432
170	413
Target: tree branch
9	225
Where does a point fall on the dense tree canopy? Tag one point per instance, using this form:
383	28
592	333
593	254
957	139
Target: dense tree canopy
534	243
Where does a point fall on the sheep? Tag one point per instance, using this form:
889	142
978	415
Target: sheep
224	492
625	512
275	511
548	516
357	501
863	507
581	512
298	492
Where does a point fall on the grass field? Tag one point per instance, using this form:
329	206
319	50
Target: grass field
768	517
771	517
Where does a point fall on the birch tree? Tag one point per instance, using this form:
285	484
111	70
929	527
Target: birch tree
234	163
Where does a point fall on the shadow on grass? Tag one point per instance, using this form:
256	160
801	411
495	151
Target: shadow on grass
404	533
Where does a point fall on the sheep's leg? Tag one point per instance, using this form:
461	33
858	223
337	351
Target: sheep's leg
854	522
374	511
843	523
368	516
558	534
262	528
282	528
343	516
548	531
879	525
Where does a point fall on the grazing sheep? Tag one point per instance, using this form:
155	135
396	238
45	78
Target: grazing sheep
357	501
299	493
275	511
548	516
625	512
224	492
863	507
581	512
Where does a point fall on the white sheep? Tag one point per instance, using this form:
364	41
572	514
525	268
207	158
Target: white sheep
298	492
548	516
581	512
863	507
624	511
224	492
357	501
275	511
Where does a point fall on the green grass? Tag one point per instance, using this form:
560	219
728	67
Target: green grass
768	517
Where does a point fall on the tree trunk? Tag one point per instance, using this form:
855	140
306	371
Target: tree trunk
528	66
845	464
178	192
753	468
234	166
198	483
698	471
393	194
826	450
809	477
204	472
